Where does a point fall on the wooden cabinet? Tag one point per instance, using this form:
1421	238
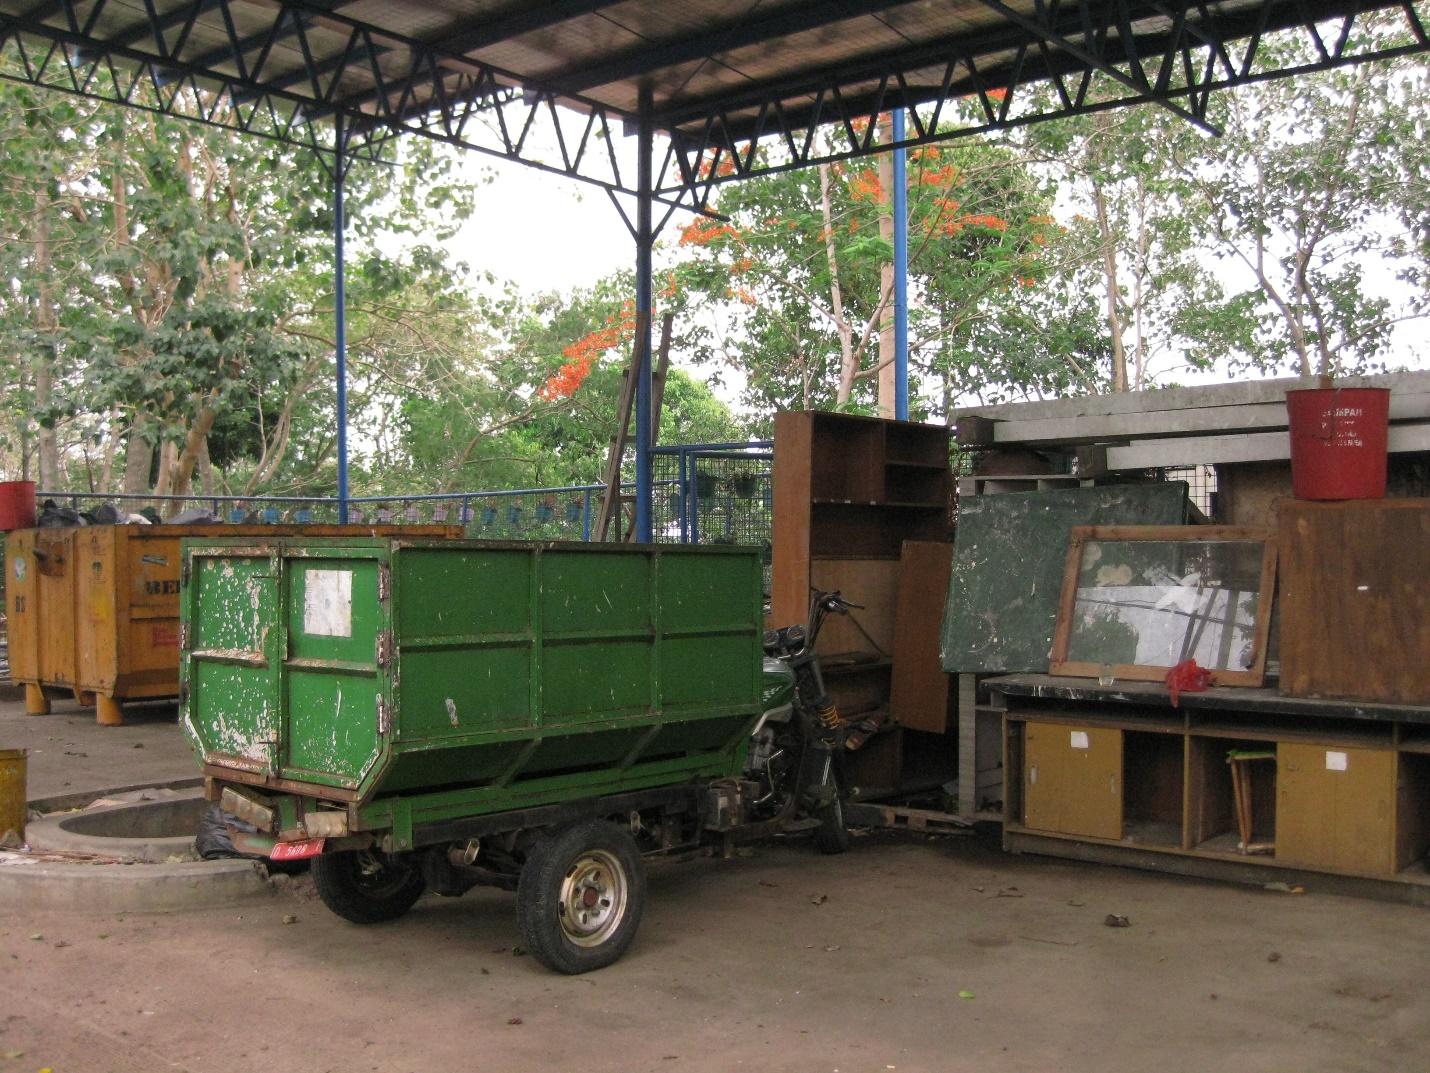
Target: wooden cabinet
1239	784
848	492
1335	808
1072	780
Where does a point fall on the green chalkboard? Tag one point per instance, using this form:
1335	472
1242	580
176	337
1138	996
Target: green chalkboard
1009	552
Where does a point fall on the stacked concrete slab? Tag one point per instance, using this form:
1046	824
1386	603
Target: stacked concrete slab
1220	423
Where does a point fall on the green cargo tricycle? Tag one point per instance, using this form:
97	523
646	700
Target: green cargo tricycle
432	715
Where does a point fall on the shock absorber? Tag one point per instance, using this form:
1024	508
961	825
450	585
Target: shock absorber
826	714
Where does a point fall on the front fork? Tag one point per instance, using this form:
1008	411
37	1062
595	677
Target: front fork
820	785
823	730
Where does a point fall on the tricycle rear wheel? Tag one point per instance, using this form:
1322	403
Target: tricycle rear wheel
367	886
580	897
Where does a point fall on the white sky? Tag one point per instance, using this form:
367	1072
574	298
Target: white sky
543	232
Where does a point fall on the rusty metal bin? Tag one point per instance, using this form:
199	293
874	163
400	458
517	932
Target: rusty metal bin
94	610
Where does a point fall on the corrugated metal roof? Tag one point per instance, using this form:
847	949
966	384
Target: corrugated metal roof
694	55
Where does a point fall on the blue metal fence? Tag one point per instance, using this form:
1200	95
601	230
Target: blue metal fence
704	493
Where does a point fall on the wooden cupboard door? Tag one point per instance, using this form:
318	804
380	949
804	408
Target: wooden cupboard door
1072	780
1042	766
1333	808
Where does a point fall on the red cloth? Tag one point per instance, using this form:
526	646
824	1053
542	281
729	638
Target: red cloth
1187	677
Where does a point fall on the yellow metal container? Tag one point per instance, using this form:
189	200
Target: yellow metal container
94	610
12	792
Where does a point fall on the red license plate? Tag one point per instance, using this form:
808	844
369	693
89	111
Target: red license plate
296	851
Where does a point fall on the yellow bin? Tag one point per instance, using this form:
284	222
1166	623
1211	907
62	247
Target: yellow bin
12	792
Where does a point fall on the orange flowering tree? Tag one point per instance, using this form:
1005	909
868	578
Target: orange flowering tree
798	273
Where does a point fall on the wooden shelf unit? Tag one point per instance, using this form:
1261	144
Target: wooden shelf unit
1115	775
848	492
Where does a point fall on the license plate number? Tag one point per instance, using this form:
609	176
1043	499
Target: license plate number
297	851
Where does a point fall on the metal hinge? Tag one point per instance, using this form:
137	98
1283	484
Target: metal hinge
183	637
384	715
186	571
384	581
384	648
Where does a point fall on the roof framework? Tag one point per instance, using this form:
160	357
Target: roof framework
738	89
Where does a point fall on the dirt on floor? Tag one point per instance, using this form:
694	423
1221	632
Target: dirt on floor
907	954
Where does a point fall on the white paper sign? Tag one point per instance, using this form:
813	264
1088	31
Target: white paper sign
1335	761
1079	739
328	603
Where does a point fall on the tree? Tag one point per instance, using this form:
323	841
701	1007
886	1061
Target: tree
1294	242
799	273
181	277
537	408
1140	252
1315	185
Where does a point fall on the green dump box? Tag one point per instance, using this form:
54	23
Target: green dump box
418	715
375	673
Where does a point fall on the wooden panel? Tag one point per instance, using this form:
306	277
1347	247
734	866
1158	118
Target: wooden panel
789	571
1334	808
871	582
1355	600
1152	776
1072	780
22	613
102	603
920	688
846	458
54	564
1210	802
878	766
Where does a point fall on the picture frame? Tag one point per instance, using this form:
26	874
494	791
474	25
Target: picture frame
1138	600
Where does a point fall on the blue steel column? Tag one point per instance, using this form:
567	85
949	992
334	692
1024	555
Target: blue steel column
645	240
340	333
901	274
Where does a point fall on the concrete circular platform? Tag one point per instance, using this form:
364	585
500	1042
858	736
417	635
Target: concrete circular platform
153	825
129	888
132	850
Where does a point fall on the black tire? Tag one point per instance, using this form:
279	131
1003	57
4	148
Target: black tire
580	897
367	887
832	836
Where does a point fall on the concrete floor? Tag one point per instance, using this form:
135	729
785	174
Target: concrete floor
907	954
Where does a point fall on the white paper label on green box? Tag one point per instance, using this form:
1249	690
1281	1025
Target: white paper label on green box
1335	761
328	603
1079	739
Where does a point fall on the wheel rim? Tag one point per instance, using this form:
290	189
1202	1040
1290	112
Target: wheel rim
377	877
593	898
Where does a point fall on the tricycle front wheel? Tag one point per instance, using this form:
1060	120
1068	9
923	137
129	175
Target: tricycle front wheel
367	886
580	896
